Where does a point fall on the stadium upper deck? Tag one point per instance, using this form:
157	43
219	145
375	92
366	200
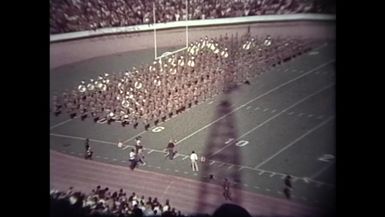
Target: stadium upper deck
75	15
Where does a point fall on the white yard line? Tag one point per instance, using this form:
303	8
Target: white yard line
82	138
166	190
59	124
130	139
321	170
294	142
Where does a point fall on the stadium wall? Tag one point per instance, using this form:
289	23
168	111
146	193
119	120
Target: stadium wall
73	47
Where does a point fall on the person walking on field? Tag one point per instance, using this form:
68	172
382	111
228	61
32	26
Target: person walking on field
288	181
288	188
171	149
139	150
138	145
132	159
226	189
194	161
89	152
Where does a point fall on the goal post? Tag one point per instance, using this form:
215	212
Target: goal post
165	54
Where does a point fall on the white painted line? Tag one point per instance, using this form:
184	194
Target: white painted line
82	138
274	110
105	158
313	53
211	102
127	146
212	162
149	152
158	167
290	113
149	165
72	152
229	140
59	124
256	108
185	157
254	99
300	114
310	115
321	170
265	109
272	174
123	161
279	192
256	187
168	169
274	116
268	189
129	139
80	154
168	186
195	174
320	117
185	172
260	173
246	185
240	168
176	155
97	156
114	159
230	166
177	171
293	142
248	107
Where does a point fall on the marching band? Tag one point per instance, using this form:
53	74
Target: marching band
152	93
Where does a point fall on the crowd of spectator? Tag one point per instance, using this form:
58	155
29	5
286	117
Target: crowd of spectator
80	15
101	201
155	92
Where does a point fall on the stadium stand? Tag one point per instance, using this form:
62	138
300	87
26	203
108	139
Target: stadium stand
101	202
80	15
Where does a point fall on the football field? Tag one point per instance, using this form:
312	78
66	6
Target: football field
282	123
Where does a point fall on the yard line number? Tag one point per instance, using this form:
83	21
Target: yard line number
326	158
158	129
240	143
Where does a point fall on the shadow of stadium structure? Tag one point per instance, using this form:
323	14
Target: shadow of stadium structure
218	137
219	134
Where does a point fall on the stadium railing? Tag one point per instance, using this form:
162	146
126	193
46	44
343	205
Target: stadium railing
191	23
